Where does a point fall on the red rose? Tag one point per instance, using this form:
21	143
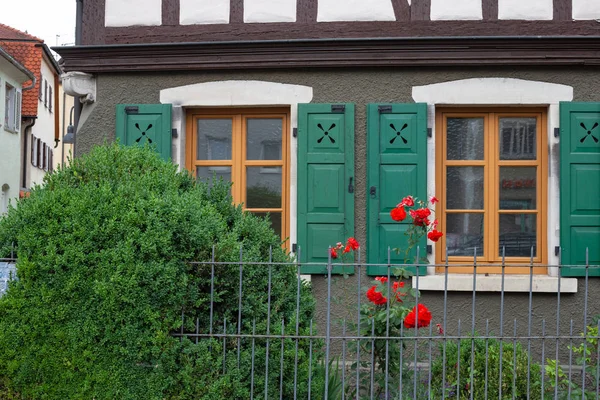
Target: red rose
398	214
408	201
333	252
433	200
424	317
376	297
434	235
353	243
347	249
398	285
381	279
420	215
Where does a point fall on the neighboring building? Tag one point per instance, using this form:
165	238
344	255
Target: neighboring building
40	111
327	113
12	77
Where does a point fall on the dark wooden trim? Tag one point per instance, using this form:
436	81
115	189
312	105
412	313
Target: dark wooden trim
405	52
563	10
306	11
325	30
490	9
420	10
93	31
401	10
170	12
236	11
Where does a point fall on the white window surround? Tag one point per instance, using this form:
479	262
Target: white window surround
501	92
239	94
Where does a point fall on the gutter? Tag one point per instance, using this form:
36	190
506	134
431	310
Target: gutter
21	68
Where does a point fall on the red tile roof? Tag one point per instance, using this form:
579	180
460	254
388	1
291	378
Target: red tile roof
26	50
7	32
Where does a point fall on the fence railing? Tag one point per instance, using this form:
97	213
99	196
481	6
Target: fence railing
366	340
353	336
7	273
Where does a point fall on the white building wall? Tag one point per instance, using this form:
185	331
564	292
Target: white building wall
44	126
10	150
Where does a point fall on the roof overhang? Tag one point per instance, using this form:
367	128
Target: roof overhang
20	73
319	53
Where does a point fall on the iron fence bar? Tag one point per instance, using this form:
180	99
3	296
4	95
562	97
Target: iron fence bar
401	362
372	386
473	322
458	364
585	305
267	348
514	375
299	283
310	357
358	322
556	353
239	321
570	359
501	322
344	359
252	362
415	372
281	360
328	323
387	320
543	351
446	266
529	318
487	342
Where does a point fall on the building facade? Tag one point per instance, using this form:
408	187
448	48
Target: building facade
12	77
40	110
326	113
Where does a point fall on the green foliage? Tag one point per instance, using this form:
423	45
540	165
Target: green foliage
486	360
104	274
586	359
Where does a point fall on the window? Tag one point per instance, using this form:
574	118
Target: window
45	93
249	148
12	109
491	172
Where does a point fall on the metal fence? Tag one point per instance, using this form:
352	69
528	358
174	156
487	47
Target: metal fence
7	273
532	344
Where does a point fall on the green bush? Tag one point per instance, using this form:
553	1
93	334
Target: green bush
104	274
486	356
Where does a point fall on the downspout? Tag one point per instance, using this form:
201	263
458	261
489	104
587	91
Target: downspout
78	39
26	132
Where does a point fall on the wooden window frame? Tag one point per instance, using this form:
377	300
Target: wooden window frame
238	162
491	211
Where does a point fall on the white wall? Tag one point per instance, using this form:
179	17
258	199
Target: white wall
44	126
10	147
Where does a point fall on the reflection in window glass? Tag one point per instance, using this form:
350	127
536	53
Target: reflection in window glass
209	173
464	234
263	190
214	139
464	188
517	188
517	235
263	138
465	138
517	138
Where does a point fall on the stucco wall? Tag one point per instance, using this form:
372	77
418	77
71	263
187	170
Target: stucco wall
10	148
362	87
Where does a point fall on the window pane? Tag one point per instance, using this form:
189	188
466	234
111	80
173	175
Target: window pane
208	173
464	234
263	138
517	138
464	188
275	218
464	138
517	188
518	235
214	139
263	187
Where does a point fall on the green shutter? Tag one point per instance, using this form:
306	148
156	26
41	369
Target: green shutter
325	182
397	167
145	123
579	187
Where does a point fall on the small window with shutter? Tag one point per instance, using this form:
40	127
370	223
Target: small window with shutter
45	93
50	98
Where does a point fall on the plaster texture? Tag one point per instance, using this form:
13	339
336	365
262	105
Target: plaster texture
456	10
526	10
192	12
133	12
355	10
586	9
363	86
269	11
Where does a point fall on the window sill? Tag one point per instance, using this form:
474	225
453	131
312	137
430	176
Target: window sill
493	283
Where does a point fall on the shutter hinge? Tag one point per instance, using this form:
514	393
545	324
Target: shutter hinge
350	186
174	133
132	109
337	108
294	247
295	132
429	132
384	109
556	132
429	249
556	251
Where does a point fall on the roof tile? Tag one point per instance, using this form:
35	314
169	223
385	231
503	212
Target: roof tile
7	32
30	55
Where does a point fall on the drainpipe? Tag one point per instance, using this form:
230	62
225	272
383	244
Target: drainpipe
26	132
78	40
